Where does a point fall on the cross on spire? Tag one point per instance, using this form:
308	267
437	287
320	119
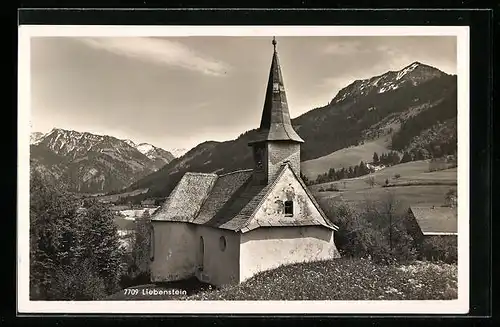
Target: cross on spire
274	43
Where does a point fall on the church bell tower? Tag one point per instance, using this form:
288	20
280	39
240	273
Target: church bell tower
276	142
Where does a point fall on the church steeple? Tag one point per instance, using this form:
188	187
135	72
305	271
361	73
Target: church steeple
275	124
275	142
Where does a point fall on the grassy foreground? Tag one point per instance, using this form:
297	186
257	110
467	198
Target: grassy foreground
344	279
341	279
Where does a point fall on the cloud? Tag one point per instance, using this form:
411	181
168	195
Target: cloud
157	51
343	48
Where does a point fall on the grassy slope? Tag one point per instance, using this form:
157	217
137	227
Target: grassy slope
344	158
340	279
356	190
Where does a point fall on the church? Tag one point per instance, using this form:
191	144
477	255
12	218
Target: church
224	229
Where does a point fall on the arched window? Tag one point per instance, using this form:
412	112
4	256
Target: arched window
222	243
151	243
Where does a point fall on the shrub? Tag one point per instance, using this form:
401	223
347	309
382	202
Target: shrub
370	181
439	248
321	189
450	198
78	284
375	232
332	188
397	176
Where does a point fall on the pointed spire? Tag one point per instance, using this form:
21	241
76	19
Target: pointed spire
275	123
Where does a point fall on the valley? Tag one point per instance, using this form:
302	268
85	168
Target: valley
411	112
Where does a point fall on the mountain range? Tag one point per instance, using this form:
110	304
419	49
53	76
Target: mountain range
89	163
413	109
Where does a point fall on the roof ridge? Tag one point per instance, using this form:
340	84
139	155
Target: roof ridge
431	207
199	173
236	171
205	198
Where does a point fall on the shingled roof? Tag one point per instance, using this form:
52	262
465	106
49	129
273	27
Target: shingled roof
275	124
228	201
436	220
187	197
225	192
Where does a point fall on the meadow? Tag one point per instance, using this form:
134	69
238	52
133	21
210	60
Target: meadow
411	183
340	279
350	156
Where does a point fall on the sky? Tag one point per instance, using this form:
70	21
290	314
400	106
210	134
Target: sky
177	92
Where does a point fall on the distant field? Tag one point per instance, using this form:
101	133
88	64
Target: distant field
357	191
115	197
344	158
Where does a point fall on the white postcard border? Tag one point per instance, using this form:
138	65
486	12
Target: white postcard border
459	306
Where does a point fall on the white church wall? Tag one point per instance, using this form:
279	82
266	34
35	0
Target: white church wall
220	265
175	250
269	247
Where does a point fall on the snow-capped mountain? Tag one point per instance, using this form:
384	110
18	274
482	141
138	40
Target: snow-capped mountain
154	153
131	143
410	109
178	152
93	163
35	136
411	75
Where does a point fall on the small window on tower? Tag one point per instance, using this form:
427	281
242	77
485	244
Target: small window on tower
288	208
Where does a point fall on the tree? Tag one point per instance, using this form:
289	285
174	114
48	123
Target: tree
375	158
341	174
370	181
302	176
451	198
374	231
356	171
350	172
100	241
406	157
420	155
52	236
141	244
74	253
331	174
394	158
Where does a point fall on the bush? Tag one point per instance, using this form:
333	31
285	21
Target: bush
366	233
321	189
332	188
78	284
370	181
439	248
397	176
